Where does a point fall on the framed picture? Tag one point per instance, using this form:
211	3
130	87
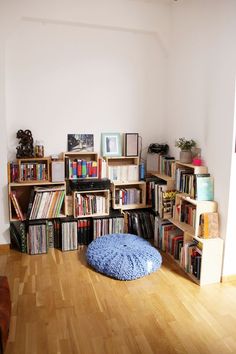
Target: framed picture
80	142
131	144
111	144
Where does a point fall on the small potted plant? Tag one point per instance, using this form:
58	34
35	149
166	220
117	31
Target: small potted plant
185	149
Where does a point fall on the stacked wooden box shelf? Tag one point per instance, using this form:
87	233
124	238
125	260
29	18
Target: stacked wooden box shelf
81	164
122	188
127	191
199	206
91	203
211	249
196	169
23	192
123	168
32	169
170	181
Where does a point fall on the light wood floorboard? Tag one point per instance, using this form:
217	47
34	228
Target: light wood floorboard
61	306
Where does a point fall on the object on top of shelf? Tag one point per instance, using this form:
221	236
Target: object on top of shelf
131	144
80	142
185	144
111	144
196	153
25	148
158	148
39	149
54	157
185	149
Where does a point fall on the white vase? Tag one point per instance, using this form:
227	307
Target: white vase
185	156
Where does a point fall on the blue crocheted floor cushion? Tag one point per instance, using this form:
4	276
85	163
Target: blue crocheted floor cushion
123	256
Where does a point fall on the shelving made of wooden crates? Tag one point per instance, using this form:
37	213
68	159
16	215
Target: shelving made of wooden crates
199	258
22	200
123	168
161	194
185	175
29	170
187	212
128	195
81	165
91	203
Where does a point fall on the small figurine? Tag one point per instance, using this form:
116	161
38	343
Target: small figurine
26	147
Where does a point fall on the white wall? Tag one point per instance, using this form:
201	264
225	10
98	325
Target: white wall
85	67
3	152
230	242
92	66
95	66
201	93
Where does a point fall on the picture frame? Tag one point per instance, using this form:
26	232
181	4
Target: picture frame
131	144
80	142
111	144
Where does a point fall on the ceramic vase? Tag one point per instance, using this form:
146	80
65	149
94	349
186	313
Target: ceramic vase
185	156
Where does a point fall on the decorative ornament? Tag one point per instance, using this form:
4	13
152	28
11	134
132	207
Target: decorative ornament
26	147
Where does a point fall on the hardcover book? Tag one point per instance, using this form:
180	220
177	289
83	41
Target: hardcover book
209	225
204	188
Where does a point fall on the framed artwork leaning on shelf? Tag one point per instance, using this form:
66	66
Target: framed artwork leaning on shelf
131	144
111	144
80	142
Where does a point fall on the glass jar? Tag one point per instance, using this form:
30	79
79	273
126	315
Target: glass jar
39	149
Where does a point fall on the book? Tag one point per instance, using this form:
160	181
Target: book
16	205
204	188
209	225
37	240
18	236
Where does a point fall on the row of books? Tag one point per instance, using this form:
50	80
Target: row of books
33	171
190	258
197	186
37	239
102	168
89	204
184	181
185	212
155	189
16	205
158	195
139	222
168	237
13	171
126	173
188	213
80	168
167	166
196	260
126	196
18	236
104	226
84	230
69	237
47	203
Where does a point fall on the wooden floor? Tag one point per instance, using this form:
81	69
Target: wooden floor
60	305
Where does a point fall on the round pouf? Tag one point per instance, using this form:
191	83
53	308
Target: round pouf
123	256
